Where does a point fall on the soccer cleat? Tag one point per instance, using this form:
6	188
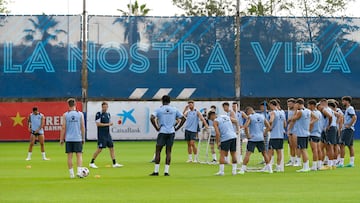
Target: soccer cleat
278	169
80	175
314	168
214	161
46	159
154	174
340	166
242	172
268	170
220	173
72	176
234	173
296	164
152	161
28	159
166	174
92	165
117	165
303	170
195	161
349	166
189	161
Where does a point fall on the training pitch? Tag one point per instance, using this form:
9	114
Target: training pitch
48	181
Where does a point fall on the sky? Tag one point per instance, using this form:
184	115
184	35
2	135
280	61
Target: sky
109	7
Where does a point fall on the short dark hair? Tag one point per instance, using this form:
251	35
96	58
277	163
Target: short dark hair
273	102
213	107
104	103
226	104
300	101
71	102
347	98
323	100
292	100
210	114
165	99
190	101
312	102
278	101
35	108
332	104
235	103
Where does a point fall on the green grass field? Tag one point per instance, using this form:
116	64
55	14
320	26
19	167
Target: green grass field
48	181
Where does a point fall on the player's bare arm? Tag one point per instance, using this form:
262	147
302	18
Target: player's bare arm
154	123
268	128
217	133
181	123
202	119
82	123
63	129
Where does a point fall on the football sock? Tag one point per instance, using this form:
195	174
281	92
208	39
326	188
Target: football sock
234	167
167	168
157	166
190	156
352	160
221	168
43	155
92	161
71	171
114	161
214	156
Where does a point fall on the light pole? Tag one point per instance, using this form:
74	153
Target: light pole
84	71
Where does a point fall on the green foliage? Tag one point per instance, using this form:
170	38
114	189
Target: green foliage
206	7
136	9
3	6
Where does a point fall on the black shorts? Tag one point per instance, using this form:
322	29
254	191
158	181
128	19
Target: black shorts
260	145
347	137
315	139
165	139
331	135
212	139
35	134
276	143
190	135
105	142
228	145
73	147
323	137
302	142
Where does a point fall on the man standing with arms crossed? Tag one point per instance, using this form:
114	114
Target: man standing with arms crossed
103	123
347	135
73	134
166	117
192	116
36	123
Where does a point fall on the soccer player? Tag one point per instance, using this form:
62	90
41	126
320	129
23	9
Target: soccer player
254	130
73	134
192	116
241	118
36	122
294	154
164	120
315	134
300	123
211	132
347	135
225	139
331	133
339	122
231	114
277	125
103	123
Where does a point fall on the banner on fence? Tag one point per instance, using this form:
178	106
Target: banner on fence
132	119
14	119
34	55
147	57
300	57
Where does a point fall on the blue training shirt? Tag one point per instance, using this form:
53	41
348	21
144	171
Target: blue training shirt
167	116
192	121
302	126
35	122
277	131
73	126
256	127
226	128
349	113
317	128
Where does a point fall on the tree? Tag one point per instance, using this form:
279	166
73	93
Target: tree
3	8
136	10
45	25
206	7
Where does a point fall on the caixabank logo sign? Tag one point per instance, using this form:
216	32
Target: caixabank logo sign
126	122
